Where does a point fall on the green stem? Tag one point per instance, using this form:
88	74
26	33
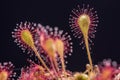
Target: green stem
88	52
41	60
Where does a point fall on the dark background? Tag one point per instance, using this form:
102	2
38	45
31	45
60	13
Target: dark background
56	13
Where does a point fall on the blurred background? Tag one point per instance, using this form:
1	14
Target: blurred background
56	13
